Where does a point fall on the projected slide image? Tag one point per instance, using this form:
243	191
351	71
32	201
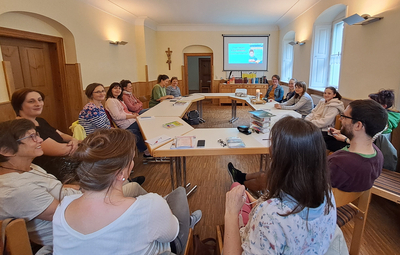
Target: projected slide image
245	53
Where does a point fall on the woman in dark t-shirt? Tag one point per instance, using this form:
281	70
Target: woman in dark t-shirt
28	103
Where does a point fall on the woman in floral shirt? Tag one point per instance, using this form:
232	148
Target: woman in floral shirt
297	214
93	115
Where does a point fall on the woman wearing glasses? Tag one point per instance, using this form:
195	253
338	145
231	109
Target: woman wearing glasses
26	190
93	115
28	104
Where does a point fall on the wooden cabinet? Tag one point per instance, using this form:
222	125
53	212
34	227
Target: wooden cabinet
231	88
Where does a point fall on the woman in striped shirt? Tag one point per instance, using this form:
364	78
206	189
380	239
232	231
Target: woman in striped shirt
93	115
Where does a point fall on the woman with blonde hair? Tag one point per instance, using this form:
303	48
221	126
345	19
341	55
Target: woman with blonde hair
103	220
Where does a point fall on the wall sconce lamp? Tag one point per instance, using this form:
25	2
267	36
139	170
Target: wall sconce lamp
293	43
364	19
118	42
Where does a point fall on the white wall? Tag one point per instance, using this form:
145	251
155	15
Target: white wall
179	40
371	56
91	29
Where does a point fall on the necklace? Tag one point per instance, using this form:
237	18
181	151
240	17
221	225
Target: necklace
32	172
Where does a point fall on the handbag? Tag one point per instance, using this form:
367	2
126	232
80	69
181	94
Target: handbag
206	246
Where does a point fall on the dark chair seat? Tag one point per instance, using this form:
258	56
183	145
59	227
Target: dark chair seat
345	214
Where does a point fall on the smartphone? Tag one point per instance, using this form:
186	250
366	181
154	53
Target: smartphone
201	143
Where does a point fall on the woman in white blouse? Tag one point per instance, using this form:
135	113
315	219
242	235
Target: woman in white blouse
103	220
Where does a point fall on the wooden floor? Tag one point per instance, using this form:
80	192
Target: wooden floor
382	231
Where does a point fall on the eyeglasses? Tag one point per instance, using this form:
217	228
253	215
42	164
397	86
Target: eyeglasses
222	143
100	91
34	137
342	116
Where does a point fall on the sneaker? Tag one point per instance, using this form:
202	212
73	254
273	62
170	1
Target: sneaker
147	156
194	218
232	172
138	179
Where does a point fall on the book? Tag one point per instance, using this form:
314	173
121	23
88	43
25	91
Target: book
179	103
235	142
183	142
258	129
172	124
262	120
261	124
261	114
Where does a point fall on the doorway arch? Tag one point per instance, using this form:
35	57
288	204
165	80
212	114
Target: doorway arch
197	51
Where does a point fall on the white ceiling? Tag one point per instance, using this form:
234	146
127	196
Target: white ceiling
206	12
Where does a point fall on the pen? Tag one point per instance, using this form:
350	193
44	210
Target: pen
145	117
266	139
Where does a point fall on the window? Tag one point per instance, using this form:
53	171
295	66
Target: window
287	61
336	54
287	57
327	48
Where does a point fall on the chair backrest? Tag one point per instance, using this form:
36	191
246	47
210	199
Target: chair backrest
338	124
16	238
110	119
343	198
189	249
360	200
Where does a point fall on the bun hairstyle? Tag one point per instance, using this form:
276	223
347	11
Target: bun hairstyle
101	156
383	97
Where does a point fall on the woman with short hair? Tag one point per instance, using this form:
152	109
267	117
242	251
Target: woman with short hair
386	99
159	93
297	213
93	115
301	102
133	103
28	104
173	89
275	91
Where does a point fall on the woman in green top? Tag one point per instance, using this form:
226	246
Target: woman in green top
159	92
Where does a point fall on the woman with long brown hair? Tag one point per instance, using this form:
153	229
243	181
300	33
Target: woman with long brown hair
103	220
301	102
296	214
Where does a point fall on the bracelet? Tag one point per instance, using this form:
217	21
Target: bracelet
345	140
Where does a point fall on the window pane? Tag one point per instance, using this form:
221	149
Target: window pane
336	54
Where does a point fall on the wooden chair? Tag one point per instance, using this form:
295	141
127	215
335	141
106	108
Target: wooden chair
110	119
189	250
16	238
338	124
220	239
388	186
353	205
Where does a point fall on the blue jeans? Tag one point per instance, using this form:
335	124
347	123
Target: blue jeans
134	128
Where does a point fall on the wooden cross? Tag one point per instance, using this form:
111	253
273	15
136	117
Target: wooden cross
169	52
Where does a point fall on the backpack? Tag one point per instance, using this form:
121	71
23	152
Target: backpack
192	118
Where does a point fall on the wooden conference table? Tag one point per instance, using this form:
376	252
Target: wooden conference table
159	139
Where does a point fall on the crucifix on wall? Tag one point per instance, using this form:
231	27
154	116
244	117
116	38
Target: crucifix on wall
169	52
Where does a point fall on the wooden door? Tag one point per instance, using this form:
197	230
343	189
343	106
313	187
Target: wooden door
205	75
31	64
